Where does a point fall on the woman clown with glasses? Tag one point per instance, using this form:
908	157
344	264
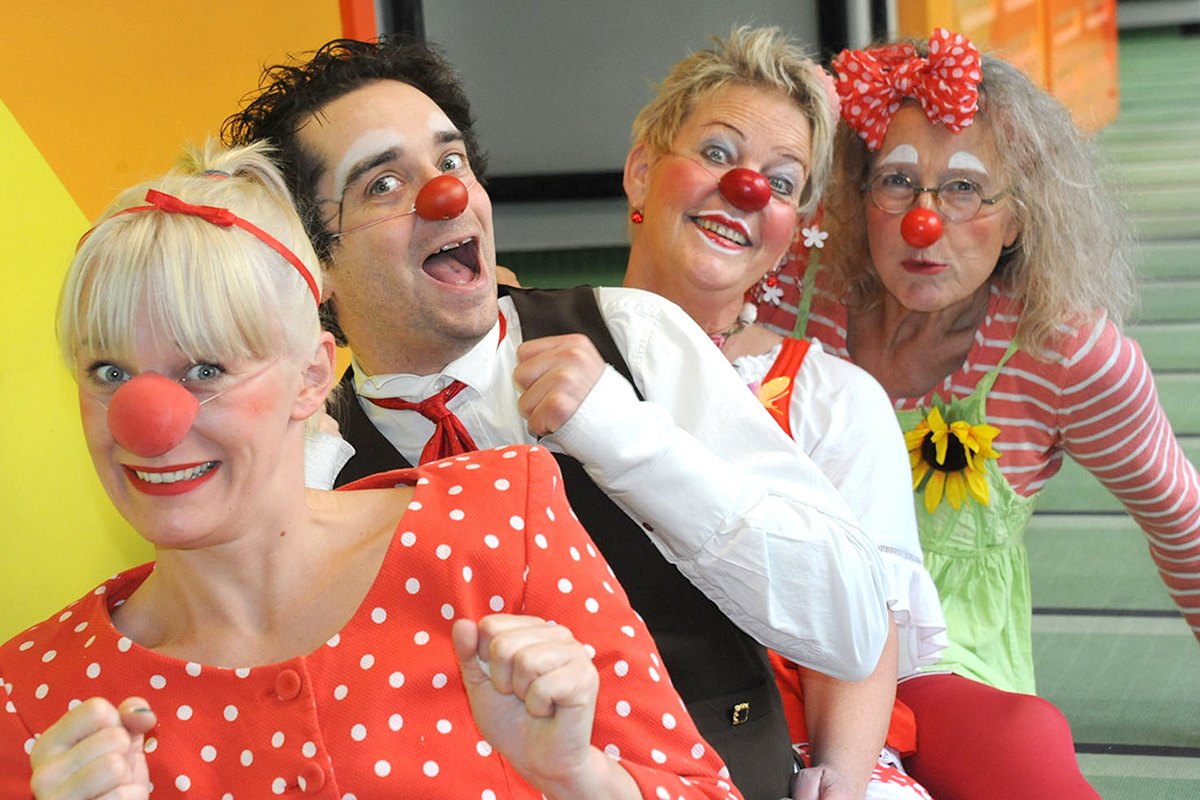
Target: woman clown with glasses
976	266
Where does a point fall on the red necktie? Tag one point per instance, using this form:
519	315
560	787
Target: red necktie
450	436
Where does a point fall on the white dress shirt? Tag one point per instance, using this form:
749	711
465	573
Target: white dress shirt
699	465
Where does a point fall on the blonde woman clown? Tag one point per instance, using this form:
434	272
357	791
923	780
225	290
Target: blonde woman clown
431	632
727	165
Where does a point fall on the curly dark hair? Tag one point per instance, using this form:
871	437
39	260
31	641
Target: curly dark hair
289	94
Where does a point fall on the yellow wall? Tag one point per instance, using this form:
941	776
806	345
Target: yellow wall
94	96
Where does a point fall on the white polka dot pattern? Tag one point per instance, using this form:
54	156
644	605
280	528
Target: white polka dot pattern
381	705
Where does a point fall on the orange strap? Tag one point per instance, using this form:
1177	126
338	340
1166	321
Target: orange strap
775	391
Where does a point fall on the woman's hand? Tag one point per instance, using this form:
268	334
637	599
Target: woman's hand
94	751
532	689
821	783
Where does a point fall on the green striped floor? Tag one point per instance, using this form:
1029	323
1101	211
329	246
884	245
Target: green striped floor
1110	650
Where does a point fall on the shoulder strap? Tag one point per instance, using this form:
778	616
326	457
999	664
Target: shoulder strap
775	391
552	312
807	288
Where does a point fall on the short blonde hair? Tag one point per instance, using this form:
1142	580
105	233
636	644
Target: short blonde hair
219	292
1071	259
756	57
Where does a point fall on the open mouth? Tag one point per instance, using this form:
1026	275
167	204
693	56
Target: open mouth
456	263
722	233
171	480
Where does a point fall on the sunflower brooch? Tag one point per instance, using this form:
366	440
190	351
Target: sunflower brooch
953	458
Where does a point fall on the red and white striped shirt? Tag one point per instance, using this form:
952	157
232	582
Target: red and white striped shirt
1093	398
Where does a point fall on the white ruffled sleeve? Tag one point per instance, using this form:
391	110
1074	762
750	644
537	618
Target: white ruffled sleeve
914	603
324	456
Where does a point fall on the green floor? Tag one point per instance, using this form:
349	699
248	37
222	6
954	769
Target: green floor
1109	649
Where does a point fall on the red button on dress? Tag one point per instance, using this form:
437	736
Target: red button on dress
312	777
287	685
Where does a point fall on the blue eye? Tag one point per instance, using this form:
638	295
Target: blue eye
716	154
203	372
782	186
453	162
106	374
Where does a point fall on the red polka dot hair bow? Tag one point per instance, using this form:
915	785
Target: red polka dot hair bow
873	83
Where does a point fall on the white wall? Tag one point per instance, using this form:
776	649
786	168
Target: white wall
555	87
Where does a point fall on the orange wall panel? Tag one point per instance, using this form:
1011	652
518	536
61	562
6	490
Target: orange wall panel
95	96
1067	47
108	91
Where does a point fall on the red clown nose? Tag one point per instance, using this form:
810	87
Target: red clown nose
150	414
444	197
921	227
745	189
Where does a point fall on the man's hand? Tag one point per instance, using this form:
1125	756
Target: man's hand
555	374
94	750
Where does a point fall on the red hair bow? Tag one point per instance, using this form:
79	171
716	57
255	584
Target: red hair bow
873	83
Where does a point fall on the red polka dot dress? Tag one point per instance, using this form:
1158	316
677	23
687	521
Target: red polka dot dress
379	710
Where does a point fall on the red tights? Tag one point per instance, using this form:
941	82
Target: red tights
975	742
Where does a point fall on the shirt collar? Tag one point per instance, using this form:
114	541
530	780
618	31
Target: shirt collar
473	368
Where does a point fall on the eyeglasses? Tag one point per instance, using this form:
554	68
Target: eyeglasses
206	381
958	199
373	198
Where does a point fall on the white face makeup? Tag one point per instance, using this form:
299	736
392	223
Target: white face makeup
375	145
695	245
411	293
954	267
367	145
905	154
967	162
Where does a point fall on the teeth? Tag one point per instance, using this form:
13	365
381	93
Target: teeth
453	245
722	230
178	475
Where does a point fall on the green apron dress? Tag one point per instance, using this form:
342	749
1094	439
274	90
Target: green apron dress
976	554
979	564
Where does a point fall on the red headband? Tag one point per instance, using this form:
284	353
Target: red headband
224	218
873	83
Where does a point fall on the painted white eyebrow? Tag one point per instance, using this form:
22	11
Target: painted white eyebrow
364	148
966	161
903	154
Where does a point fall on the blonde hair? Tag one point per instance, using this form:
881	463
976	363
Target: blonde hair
218	292
1071	258
756	57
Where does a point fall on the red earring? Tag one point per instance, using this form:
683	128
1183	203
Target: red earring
636	217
